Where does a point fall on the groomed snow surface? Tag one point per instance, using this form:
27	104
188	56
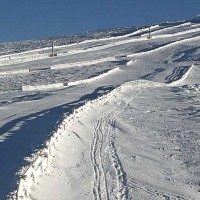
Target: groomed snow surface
111	118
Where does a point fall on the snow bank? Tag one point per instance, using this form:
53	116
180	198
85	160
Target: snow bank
38	166
21	59
121	57
92	79
169	28
85	63
42	87
130	62
40	160
165	46
195	29
19	71
26	88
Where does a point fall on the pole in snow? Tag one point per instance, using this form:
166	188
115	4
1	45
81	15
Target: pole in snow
52	48
52	54
149	36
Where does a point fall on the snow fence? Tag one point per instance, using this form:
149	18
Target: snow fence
41	159
22	71
18	59
42	87
10	72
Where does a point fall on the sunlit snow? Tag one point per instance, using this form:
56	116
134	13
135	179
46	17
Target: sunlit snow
107	118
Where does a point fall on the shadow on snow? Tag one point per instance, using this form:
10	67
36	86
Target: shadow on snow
31	132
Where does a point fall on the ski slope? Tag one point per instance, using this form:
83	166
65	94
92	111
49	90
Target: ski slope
110	118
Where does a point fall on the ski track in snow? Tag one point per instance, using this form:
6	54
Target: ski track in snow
100	182
104	133
104	136
104	186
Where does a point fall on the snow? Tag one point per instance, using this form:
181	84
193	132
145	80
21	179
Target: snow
42	87
20	71
109	118
86	63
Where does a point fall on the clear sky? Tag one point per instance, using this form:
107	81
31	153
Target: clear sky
33	19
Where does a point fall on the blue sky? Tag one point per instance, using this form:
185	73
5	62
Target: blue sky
32	19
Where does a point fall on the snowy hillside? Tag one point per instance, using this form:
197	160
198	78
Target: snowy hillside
107	118
21	46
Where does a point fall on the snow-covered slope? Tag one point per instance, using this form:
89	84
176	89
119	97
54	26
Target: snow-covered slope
107	118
